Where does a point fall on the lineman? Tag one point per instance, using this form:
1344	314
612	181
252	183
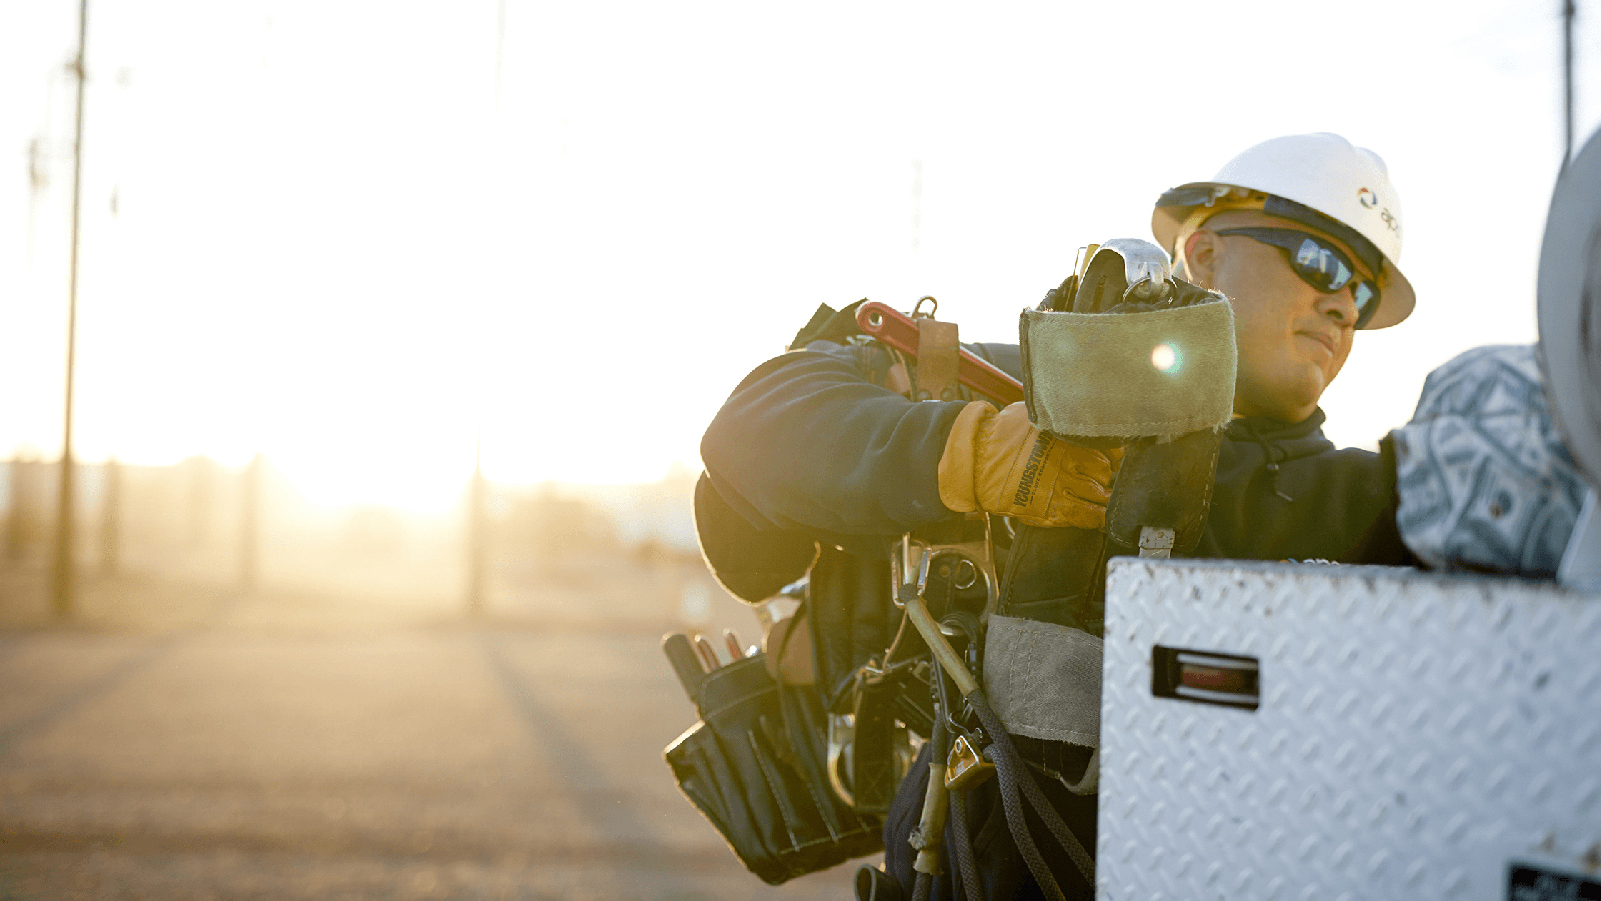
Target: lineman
1302	234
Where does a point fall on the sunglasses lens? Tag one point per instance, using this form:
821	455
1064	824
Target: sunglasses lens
1324	268
1366	302
1321	266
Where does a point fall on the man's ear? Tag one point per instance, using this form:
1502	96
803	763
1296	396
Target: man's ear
1200	258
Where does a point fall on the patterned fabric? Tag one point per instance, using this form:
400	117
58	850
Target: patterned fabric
1483	478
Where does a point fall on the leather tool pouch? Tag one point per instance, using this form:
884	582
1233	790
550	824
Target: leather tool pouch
852	616
755	767
852	622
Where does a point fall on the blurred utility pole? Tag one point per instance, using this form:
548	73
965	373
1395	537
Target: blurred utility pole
477	489
1568	12
250	524
202	473
62	591
476	528
111	519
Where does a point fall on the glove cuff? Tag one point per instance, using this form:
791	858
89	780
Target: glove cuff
957	476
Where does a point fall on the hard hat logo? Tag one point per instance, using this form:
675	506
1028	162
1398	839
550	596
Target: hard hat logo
1391	221
1367	198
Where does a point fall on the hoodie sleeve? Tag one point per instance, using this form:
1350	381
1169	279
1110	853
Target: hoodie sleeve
809	441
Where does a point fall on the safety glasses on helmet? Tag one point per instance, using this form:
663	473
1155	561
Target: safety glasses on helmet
1319	264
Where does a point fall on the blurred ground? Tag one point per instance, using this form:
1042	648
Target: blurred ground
183	739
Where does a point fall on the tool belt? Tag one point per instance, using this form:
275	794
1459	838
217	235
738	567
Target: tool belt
796	776
755	766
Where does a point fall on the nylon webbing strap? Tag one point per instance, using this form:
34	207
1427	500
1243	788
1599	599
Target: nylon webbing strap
937	359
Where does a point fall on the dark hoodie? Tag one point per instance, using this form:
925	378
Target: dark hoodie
1283	492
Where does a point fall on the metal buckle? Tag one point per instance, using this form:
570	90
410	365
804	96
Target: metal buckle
966	767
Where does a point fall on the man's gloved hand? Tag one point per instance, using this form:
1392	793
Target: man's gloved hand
998	462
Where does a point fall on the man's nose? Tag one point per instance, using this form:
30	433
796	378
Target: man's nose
1339	306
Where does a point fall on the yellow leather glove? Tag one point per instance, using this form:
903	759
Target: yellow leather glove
998	462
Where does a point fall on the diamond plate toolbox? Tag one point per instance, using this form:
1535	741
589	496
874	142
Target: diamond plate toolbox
1306	731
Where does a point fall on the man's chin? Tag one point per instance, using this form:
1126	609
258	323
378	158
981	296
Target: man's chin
1290	402
1282	414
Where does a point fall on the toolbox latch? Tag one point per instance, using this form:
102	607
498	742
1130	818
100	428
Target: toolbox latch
1206	677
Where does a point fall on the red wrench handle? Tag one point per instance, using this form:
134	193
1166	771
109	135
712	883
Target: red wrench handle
899	331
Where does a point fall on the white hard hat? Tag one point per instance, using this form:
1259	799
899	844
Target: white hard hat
1320	180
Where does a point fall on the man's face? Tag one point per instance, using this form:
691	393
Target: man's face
1292	338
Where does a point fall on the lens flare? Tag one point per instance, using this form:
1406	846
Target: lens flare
1165	357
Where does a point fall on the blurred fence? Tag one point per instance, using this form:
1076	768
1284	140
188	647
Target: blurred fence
550	551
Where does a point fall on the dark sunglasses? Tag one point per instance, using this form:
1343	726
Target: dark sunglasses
1319	264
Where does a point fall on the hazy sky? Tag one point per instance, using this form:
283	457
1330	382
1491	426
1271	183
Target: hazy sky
316	229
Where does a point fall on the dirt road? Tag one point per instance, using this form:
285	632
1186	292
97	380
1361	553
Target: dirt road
249	756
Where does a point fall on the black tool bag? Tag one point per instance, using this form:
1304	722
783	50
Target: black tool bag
851	621
755	767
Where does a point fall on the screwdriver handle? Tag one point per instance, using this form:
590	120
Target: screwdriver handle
685	661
